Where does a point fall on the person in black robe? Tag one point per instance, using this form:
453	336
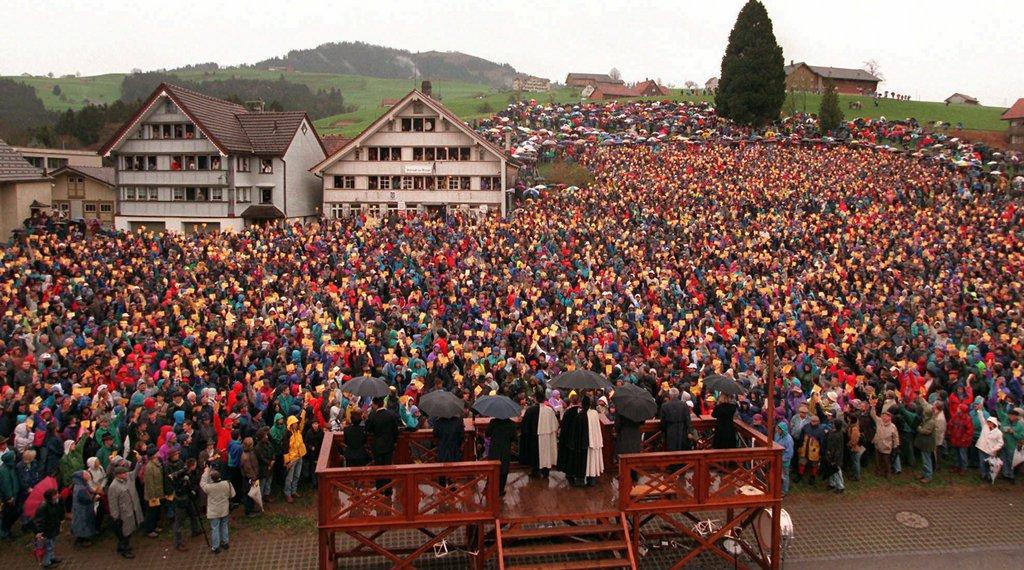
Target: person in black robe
528	452
355	443
725	429
449	433
501	432
627	438
573	441
675	422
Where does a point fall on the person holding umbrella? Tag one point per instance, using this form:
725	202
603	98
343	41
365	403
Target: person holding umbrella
500	431
48	519
633	406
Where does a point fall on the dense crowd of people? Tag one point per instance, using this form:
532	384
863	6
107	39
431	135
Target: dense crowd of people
144	376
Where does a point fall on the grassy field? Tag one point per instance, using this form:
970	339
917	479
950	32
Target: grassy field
471	100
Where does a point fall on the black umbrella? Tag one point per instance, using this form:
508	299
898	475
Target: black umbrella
441	404
634	402
501	407
580	380
724	384
366	387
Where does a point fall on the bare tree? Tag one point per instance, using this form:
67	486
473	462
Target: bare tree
872	66
691	84
614	74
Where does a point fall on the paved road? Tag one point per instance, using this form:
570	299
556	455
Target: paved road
896	528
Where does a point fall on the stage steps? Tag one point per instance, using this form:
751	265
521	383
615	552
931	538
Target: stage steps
551	543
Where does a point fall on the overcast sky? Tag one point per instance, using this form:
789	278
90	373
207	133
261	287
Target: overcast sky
926	48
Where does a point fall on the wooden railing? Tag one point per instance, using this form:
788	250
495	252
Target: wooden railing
388	495
704	477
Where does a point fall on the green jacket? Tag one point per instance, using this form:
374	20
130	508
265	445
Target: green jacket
153	480
72	462
925	439
1013	433
10	485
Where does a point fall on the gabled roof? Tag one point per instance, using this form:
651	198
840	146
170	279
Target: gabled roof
615	90
1015	112
598	77
835	72
230	127
962	96
14	167
271	133
390	114
101	174
643	86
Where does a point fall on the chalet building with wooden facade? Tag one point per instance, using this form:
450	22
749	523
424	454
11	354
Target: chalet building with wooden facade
803	77
1015	125
85	193
417	156
190	162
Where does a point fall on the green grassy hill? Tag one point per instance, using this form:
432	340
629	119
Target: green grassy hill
473	100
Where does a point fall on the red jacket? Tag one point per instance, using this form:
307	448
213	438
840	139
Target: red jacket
960	429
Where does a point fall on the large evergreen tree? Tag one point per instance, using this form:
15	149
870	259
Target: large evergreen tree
752	87
830	115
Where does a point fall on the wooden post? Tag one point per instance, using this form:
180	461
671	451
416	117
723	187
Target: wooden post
776	536
770	390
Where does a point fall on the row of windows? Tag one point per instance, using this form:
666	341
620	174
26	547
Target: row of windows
191	162
88	207
139	193
47	163
418	182
243	194
418	125
170	131
420	153
341	210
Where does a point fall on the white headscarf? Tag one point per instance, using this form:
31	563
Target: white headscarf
98	474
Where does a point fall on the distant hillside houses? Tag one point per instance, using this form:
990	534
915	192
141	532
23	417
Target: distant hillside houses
804	77
593	79
602	91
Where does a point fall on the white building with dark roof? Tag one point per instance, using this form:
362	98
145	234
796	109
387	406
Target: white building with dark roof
190	162
416	156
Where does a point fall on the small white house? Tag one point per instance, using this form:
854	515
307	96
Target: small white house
190	162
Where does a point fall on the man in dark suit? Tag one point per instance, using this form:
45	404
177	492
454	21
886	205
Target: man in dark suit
382	426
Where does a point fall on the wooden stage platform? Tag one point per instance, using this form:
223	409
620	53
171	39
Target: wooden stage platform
602	526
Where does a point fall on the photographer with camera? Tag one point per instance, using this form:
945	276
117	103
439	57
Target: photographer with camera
182	481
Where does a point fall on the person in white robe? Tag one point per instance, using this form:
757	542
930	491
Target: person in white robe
595	447
547	438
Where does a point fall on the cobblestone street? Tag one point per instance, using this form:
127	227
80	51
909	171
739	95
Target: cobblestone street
956	529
